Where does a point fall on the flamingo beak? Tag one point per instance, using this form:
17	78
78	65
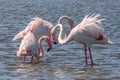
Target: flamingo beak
55	43
48	49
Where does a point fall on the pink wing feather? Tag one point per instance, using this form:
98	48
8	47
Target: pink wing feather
92	24
22	33
34	25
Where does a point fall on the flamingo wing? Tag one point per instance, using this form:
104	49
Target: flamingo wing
28	45
22	33
92	25
37	26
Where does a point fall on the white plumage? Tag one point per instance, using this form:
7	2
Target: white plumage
30	46
88	32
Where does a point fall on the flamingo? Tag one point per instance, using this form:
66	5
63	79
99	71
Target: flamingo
41	27
30	46
88	32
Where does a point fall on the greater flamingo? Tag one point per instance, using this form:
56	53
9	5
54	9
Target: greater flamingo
88	32
41	27
30	46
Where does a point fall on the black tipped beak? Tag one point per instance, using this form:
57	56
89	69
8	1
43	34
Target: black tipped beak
48	49
54	43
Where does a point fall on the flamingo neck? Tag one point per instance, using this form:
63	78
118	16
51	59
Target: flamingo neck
40	51
49	44
52	39
69	20
64	40
71	25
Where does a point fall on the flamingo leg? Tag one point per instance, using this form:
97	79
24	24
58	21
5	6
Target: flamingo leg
24	58
85	52
90	56
32	58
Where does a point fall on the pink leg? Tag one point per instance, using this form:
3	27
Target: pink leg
86	56
24	58
32	58
90	56
71	26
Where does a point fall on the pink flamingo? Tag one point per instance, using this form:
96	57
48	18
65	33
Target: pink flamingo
88	32
30	46
41	27
38	27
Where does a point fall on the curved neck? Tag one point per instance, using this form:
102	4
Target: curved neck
40	49
64	40
69	20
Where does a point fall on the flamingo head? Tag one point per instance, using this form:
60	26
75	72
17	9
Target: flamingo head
53	39
53	33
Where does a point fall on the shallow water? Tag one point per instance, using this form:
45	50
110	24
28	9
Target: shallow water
63	62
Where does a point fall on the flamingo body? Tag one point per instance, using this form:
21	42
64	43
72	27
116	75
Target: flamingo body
30	46
88	32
